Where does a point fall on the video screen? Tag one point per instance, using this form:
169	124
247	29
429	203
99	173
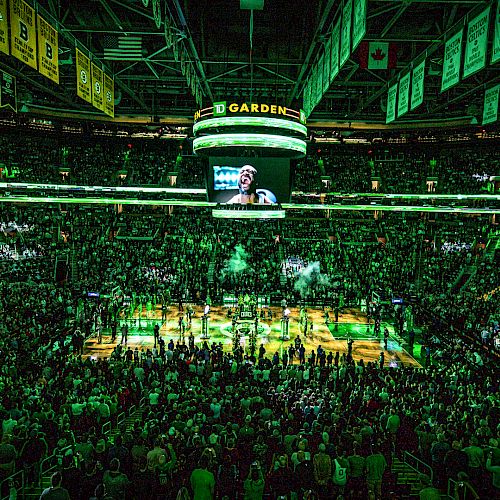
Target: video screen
262	181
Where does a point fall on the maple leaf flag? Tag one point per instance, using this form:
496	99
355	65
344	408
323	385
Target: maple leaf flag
377	55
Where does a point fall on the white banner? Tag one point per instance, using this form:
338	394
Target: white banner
477	43
358	22
490	109
495	52
451	63
334	62
326	66
391	104
417	85
345	41
403	94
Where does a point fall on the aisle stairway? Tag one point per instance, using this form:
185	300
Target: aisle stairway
51	464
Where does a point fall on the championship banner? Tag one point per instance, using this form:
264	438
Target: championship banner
109	96
403	94
84	89
334	62
417	85
345	41
48	50
319	84
326	66
97	87
490	109
321	69
358	22
23	32
477	43
495	52
451	63
4	31
391	104
8	91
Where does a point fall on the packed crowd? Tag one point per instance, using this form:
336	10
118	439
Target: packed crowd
338	168
216	426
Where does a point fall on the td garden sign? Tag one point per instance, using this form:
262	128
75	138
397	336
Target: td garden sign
223	108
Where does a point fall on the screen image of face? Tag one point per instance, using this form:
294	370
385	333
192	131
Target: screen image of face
263	181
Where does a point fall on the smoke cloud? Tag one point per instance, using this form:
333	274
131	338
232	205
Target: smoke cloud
311	278
237	264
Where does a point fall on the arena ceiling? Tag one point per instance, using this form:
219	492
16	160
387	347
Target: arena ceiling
214	38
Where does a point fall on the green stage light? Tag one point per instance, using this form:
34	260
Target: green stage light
250	121
267	141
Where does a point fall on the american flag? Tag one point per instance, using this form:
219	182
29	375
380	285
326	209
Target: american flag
121	47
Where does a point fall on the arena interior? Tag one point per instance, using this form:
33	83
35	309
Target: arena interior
249	249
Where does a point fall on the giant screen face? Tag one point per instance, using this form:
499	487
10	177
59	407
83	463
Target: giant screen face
263	181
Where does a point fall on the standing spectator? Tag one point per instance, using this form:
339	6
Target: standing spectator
375	468
202	481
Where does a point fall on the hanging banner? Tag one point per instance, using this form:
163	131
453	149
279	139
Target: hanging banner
391	104
321	68
403	94
4	31
97	88
345	41
8	97
417	85
84	89
48	50
23	32
477	43
326	67
109	96
334	61
451	63
490	109
495	52
358	22
319	84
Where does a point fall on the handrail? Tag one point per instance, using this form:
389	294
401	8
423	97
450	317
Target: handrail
142	402
413	457
120	419
11	478
452	484
50	457
106	428
132	410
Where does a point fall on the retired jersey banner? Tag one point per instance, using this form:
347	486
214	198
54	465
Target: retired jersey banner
109	96
334	61
403	94
48	50
451	63
326	66
97	87
83	86
345	40
8	97
477	43
495	52
358	22
417	85
391	104
4	31
490	110
23	32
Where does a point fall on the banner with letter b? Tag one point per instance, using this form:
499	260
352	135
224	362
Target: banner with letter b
48	50
23	32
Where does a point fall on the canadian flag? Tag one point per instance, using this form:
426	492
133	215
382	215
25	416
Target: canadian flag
377	55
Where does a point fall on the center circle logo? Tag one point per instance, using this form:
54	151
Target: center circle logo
83	76
97	87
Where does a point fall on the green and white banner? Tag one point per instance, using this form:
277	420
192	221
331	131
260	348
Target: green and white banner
391	104
490	109
326	66
477	43
495	52
451	63
334	62
345	41
403	94
321	68
358	22
417	85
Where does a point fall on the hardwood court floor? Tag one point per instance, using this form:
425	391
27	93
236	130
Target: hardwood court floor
352	323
